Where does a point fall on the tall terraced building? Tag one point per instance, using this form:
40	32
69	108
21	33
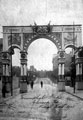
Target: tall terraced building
1	47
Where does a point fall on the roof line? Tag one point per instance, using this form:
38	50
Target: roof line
43	25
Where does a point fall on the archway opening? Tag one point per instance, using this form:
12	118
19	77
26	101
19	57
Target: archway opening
16	70
40	56
16	57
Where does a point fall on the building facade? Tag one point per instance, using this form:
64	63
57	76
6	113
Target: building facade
1	48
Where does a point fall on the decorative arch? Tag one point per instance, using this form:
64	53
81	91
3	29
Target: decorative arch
52	38
62	36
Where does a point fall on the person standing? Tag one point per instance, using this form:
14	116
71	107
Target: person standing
4	91
32	83
41	84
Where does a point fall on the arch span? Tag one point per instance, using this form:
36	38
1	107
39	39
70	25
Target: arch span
71	46
14	46
52	38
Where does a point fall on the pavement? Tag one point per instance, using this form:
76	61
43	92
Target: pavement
8	95
78	93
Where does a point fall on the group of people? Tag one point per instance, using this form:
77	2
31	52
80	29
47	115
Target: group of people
32	84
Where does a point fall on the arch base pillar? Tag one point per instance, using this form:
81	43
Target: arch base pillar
23	78
61	86
61	61
79	82
79	72
79	85
23	85
61	83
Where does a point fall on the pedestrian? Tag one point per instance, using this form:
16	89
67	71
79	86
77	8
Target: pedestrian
27	82
3	91
32	83
41	84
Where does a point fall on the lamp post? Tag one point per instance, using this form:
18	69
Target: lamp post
74	72
11	52
74	58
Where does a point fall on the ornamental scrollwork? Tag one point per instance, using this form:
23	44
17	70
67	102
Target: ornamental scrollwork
14	38
70	38
4	55
23	55
80	52
11	51
62	54
41	29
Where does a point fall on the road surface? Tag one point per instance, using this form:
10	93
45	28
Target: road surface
44	103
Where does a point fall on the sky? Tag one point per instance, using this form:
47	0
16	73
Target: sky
39	55
25	12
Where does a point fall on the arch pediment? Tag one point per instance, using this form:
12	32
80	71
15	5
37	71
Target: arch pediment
60	35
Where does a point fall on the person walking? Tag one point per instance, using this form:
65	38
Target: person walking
41	84
4	91
32	83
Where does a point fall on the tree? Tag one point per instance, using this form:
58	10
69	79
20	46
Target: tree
53	75
16	71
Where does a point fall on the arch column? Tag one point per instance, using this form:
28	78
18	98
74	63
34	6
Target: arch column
61	80
23	79
79	71
5	77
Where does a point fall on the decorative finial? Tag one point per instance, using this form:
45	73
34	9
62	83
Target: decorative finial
35	23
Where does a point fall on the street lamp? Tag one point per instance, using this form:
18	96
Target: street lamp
74	58
11	52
